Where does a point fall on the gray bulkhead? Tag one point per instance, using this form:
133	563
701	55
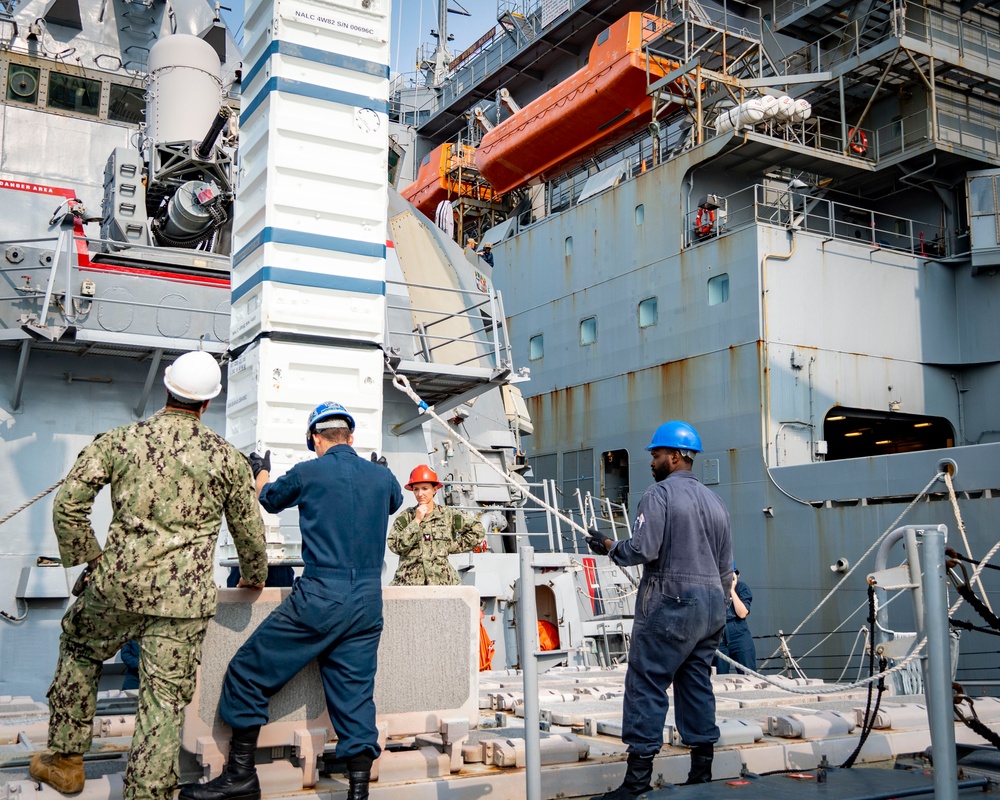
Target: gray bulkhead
839	323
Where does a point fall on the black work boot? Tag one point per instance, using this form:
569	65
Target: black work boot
239	781
640	770
359	775
701	763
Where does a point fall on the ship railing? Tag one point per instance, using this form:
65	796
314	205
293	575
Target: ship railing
816	133
894	139
797	209
697	27
848	41
631	156
787	8
968	133
936	28
561	538
459	327
539	521
411	101
475	48
497	50
60	292
502	50
967	38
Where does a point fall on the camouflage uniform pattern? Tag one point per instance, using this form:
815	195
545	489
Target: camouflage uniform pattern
172	479
170	653
423	547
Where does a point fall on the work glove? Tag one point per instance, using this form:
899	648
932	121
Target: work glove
259	463
596	543
380	460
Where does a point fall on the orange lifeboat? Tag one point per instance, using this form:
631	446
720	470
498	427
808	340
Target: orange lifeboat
447	172
593	108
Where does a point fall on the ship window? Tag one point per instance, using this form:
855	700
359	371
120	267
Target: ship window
126	103
568	246
718	289
588	330
73	93
602	37
647	312
640	214
22	84
535	348
859	433
982	195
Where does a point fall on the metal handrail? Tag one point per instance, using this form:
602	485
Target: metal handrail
488	336
926	25
59	268
760	204
541	488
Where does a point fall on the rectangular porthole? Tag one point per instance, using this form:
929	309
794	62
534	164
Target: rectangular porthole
647	312
535	349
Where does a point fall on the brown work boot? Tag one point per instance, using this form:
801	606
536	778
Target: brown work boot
64	773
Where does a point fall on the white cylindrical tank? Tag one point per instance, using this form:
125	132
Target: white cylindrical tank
185	90
770	106
749	113
784	108
801	111
723	121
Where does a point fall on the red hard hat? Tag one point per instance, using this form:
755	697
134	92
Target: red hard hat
423	474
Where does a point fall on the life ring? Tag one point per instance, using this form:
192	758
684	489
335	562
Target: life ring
858	141
704	222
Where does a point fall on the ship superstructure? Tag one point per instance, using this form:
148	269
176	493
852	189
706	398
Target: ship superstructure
798	254
731	262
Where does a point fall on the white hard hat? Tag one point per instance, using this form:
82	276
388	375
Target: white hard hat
194	376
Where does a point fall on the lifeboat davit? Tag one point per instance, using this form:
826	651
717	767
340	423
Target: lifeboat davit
589	111
447	172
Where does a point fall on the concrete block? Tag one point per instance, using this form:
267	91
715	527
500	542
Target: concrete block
427	677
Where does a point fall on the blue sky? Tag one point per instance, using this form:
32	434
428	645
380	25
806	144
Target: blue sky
412	22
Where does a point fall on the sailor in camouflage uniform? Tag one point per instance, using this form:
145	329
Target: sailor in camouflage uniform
424	536
171	480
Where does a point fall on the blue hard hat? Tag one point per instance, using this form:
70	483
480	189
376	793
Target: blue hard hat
327	410
676	435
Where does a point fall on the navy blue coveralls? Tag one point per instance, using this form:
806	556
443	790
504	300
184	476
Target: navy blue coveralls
681	534
737	641
334	613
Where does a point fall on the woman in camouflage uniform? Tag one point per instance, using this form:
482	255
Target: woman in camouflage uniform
424	536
